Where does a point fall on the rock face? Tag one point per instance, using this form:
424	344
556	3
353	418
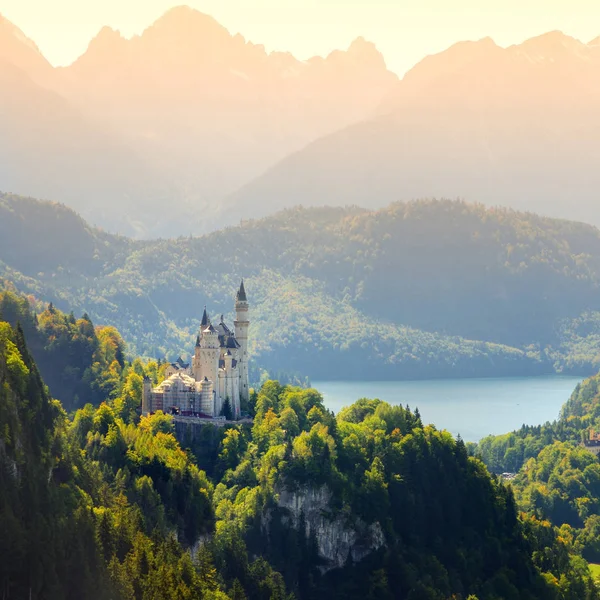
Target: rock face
337	536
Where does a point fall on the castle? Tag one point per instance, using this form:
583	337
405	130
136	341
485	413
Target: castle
218	372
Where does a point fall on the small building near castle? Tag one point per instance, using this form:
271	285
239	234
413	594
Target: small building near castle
217	374
592	444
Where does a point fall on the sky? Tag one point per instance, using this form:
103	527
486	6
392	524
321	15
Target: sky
404	31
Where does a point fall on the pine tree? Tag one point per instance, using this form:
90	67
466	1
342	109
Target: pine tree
237	591
226	410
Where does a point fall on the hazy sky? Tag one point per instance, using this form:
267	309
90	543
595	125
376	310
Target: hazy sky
404	31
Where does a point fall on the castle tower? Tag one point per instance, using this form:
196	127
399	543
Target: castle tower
147	396
196	360
206	354
210	351
207	405
241	333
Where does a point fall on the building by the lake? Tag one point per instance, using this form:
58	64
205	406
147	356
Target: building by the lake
217	375
592	444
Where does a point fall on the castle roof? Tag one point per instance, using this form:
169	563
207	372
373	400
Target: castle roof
231	342
241	295
210	329
205	320
222	328
179	364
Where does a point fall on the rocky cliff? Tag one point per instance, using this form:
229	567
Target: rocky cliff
337	535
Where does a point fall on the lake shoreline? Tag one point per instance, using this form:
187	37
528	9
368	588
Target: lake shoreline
471	407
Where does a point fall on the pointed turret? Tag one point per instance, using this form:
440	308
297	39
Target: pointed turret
241	295
205	320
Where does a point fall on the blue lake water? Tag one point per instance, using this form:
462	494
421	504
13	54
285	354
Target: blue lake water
472	407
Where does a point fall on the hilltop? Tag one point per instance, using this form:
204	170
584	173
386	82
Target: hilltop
125	509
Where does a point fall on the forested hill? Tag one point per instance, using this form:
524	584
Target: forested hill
557	479
390	293
111	506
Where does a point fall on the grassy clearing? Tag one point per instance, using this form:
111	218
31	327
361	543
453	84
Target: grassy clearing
595	569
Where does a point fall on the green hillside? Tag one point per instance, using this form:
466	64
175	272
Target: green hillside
424	289
557	479
109	505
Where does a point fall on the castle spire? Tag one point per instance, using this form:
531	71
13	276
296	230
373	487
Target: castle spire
205	320
241	295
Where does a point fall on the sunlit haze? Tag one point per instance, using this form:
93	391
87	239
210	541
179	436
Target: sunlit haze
403	31
300	299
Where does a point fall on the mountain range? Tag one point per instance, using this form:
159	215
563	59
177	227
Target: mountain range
141	133
187	128
514	127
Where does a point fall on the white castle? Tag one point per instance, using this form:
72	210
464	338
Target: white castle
218	373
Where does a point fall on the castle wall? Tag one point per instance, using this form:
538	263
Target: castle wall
209	365
222	383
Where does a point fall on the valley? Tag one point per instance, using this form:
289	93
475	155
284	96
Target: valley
476	292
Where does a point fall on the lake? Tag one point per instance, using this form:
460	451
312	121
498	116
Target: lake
472	407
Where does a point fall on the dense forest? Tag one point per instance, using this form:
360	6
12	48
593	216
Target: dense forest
423	289
108	504
80	363
558	480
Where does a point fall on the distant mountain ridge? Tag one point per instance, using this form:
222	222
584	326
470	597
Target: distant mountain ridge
195	112
224	107
512	126
17	49
187	128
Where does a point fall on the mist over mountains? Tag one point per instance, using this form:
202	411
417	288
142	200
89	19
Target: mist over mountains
188	128
515	127
424	289
156	129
